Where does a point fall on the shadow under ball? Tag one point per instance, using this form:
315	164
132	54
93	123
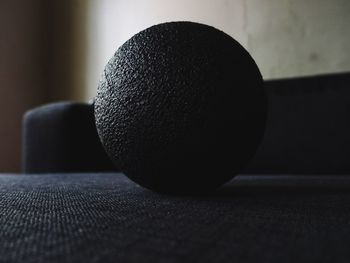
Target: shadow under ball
181	108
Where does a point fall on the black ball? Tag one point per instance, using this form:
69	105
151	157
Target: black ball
181	107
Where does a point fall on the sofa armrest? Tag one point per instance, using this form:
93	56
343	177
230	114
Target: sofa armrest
61	137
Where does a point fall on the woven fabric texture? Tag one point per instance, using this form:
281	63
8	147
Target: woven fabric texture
107	218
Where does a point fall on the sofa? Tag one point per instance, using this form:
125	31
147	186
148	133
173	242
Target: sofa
290	204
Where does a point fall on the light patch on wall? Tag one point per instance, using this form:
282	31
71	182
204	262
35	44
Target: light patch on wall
294	38
286	37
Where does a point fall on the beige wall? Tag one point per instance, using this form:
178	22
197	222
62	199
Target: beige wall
23	51
286	37
42	59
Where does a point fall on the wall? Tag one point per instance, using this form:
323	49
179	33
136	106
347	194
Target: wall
67	54
42	59
286	37
22	72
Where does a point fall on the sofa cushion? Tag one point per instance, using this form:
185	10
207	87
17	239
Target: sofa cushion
107	218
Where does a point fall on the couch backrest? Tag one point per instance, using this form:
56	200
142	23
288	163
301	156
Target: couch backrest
308	127
307	132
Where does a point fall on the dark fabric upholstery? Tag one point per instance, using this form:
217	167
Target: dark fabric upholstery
107	218
307	132
62	137
308	127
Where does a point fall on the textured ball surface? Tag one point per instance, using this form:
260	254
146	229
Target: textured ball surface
181	107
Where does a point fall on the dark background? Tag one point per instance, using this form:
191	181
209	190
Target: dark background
37	54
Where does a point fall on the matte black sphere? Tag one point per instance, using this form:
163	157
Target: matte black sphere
181	107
